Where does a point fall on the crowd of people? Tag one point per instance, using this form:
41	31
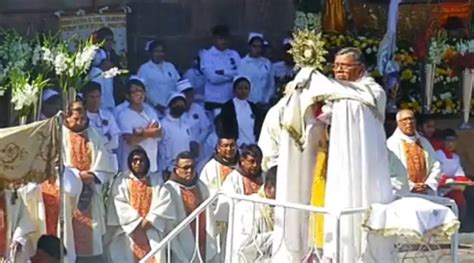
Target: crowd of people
135	170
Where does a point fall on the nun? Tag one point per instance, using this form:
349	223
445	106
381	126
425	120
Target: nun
259	70
160	76
241	116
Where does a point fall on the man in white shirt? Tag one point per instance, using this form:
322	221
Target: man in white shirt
139	126
198	120
219	65
177	136
102	120
100	64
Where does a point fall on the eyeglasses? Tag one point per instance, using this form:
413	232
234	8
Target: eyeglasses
344	65
187	167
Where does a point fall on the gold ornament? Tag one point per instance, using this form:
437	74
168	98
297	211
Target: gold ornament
308	49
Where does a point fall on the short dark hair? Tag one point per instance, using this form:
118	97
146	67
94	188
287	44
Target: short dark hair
138	151
186	155
241	79
250	150
134	82
103	32
51	245
154	44
220	31
90	87
354	52
271	176
70	109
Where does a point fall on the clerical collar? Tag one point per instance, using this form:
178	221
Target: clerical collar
407	138
187	185
230	163
252	177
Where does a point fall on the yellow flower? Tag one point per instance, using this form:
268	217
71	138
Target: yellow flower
407	74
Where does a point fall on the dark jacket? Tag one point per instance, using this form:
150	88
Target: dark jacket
230	119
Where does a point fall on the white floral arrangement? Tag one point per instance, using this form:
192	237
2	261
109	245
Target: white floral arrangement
465	46
307	21
437	49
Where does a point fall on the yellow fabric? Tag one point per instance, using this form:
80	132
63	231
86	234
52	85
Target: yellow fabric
334	16
28	153
316	221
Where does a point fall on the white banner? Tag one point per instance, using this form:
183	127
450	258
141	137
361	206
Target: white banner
85	25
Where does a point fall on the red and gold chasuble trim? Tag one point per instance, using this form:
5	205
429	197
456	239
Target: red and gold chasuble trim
3	225
50	193
250	186
141	195
191	200
416	163
224	171
82	221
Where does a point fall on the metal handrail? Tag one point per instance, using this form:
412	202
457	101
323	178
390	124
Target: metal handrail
185	223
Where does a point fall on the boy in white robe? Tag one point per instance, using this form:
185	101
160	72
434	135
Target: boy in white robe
253	225
179	197
15	227
135	196
100	119
85	155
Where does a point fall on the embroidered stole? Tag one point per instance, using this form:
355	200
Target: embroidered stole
224	171
3	226
250	186
416	162
82	223
50	193
141	195
191	200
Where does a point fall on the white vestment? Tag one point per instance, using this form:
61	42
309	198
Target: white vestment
129	219
160	81
176	138
104	167
170	212
398	163
33	195
259	71
270	143
19	226
357	164
252	232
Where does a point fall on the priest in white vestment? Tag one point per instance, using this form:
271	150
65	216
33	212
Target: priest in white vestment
357	161
253	225
414	166
43	204
15	227
86	156
135	196
178	198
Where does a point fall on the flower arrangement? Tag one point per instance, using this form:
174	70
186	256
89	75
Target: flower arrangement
307	21
308	49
